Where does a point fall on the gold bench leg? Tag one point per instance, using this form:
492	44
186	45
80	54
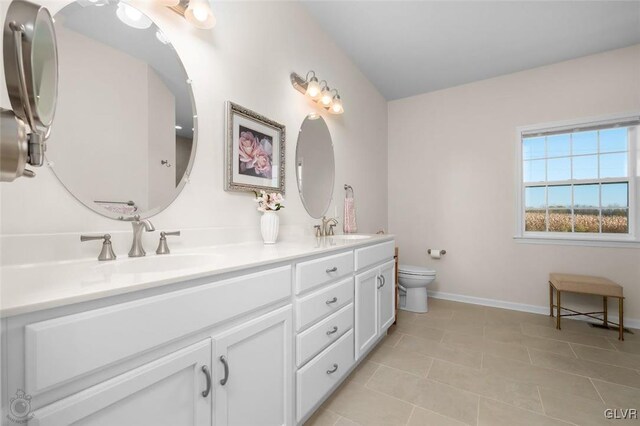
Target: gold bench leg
605	320
550	300
621	320
558	293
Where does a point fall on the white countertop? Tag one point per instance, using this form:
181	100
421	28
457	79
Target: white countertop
34	287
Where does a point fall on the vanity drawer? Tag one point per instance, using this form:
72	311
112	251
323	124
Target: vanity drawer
320	271
64	348
323	302
318	377
373	255
321	335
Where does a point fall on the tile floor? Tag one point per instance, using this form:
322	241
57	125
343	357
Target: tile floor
462	364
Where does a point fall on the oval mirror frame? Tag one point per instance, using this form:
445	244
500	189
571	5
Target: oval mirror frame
314	135
152	210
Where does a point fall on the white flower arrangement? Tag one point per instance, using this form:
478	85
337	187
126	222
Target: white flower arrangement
269	202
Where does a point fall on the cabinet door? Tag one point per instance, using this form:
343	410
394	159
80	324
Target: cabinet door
253	373
168	391
366	301
386	296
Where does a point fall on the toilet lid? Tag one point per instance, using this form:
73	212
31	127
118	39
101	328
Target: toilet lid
415	270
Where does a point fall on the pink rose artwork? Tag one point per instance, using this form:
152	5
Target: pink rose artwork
255	153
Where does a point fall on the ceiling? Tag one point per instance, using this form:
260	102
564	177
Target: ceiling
407	48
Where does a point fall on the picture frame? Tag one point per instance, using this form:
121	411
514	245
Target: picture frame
255	151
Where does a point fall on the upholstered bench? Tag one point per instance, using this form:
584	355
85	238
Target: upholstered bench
585	284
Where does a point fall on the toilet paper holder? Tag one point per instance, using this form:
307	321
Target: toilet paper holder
442	252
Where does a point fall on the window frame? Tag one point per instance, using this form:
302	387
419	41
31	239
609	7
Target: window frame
631	239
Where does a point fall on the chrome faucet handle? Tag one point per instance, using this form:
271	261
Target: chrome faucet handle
331	226
163	248
318	229
107	250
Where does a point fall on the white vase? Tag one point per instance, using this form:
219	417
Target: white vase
269	225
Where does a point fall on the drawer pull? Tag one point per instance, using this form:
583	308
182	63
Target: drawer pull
330	301
332	331
334	269
380	281
207	374
225	364
333	370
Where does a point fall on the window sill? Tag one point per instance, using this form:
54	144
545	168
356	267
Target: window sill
587	242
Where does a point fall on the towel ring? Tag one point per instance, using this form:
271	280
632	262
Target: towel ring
347	188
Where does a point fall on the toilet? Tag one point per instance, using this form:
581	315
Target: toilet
412	283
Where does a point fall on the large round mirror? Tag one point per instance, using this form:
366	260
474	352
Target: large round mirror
315	166
124	139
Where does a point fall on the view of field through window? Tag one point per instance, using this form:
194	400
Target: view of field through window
577	182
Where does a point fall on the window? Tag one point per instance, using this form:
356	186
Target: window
577	182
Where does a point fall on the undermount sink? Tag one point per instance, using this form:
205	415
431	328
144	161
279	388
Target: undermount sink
352	236
155	263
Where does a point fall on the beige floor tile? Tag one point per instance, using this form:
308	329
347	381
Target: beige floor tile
437	311
540	376
393	337
363	372
442	351
402	359
573	409
417	330
422	417
461	325
343	421
609	373
566	336
434	396
628	346
494	413
612	357
499	317
322	417
518	338
618	396
475	316
480	344
520	394
368	407
406	317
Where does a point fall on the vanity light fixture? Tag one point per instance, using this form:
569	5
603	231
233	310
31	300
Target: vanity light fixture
197	12
319	92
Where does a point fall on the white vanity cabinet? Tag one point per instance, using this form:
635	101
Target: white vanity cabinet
253	376
173	390
374	296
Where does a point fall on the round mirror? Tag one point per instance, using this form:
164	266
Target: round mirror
124	139
31	64
315	166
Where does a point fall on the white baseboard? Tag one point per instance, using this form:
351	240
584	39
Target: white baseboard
523	307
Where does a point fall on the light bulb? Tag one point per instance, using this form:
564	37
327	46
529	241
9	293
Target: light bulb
132	17
326	97
313	88
336	106
200	15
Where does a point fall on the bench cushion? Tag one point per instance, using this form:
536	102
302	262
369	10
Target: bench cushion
585	284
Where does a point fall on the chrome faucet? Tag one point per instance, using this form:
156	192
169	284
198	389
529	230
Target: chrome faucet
327	226
138	226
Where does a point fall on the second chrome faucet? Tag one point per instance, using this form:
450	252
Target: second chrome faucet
138	227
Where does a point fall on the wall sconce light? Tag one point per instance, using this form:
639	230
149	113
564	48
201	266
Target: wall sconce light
197	12
319	92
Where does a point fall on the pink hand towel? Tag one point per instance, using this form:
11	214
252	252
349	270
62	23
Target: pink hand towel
350	225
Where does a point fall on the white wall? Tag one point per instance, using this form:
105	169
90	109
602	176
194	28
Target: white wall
452	177
247	59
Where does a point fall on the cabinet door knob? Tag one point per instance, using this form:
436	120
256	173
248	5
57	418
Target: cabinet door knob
330	270
225	364
330	301
333	370
207	374
332	331
380	281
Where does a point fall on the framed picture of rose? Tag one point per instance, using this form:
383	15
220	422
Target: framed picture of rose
255	151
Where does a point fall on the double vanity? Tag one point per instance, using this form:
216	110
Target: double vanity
207	339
